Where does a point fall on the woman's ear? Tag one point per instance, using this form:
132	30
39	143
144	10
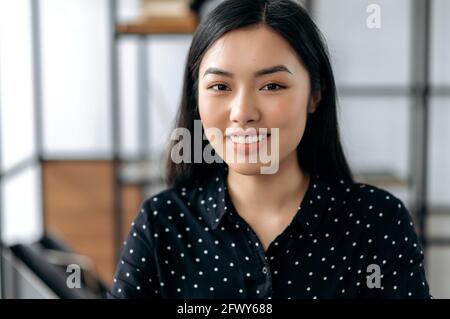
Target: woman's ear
314	101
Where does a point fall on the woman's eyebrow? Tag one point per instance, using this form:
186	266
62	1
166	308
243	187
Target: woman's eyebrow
270	70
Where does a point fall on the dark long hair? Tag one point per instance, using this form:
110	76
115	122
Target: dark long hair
320	151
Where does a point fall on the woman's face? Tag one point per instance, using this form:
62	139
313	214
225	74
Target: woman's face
233	95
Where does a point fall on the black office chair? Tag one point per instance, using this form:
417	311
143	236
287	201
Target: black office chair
48	260
90	278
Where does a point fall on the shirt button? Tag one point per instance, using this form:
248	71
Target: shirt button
264	270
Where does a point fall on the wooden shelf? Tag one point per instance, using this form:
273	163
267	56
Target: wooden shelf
142	172
439	210
160	25
78	205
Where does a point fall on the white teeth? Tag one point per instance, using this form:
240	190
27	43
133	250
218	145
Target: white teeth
247	139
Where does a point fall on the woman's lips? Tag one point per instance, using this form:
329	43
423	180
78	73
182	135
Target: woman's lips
248	143
247	139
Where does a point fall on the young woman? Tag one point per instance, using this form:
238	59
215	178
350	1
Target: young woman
258	72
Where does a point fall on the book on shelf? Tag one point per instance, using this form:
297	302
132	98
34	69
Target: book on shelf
164	9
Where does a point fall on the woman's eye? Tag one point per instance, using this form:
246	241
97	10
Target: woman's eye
268	87
273	87
220	87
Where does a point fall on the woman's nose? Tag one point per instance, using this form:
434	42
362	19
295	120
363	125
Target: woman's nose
244	109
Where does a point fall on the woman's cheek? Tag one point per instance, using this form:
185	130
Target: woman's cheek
211	121
290	119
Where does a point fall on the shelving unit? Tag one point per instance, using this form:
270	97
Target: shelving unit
36	158
145	169
420	92
126	174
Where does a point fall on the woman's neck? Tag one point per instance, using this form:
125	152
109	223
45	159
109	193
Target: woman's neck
268	192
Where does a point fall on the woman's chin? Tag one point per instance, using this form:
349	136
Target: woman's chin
246	168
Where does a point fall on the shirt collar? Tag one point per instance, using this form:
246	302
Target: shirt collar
314	205
213	201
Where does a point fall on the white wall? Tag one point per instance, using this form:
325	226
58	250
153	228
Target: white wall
440	106
75	63
21	201
364	56
165	70
440	69
166	85
16	82
22	220
375	130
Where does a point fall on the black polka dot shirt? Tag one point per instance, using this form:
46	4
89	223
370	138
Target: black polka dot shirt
347	240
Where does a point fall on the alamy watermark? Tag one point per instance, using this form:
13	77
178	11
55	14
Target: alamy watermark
374	277
373	20
74	279
236	145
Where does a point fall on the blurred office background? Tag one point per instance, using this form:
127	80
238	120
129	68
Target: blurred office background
88	95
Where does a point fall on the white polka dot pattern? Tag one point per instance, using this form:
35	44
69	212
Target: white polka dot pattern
190	242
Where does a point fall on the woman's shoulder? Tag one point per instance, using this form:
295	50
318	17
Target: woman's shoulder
359	194
178	198
365	201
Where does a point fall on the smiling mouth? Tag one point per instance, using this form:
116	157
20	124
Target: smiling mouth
249	139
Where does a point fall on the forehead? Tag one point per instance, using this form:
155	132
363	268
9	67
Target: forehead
248	49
